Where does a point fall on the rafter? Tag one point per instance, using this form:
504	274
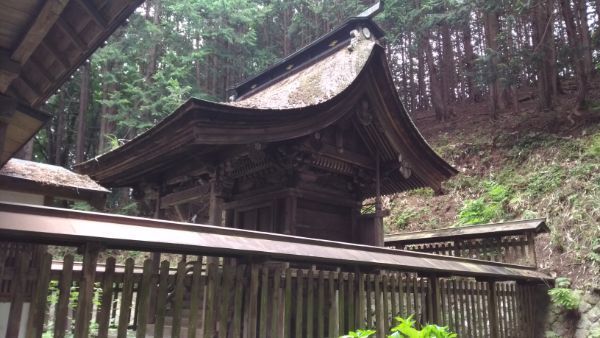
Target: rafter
41	25
93	12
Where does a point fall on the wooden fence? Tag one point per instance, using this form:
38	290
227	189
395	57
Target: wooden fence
224	298
239	283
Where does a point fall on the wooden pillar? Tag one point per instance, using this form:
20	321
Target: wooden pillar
86	290
289	223
531	248
215	203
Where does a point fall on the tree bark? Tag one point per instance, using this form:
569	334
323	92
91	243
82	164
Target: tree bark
574	42
542	34
584	33
435	86
469	58
495	87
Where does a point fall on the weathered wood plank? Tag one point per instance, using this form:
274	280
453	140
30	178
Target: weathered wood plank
253	301
351	302
386	301
83	315
195	293
143	299
287	325
238	300
64	294
299	303
225	309
264	298
341	303
360	311
106	300
333	316
310	299
321	305
161	301
276	322
126	298
379	325
37	310
178	299
212	290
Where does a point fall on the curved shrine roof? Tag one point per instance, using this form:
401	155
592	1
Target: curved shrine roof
309	98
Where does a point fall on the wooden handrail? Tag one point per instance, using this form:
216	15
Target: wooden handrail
67	227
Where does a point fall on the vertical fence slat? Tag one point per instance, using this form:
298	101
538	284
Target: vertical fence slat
288	303
106	300
126	298
351	303
195	298
393	296
369	303
212	289
161	301
238	300
333	317
386	300
18	296
224	316
310	298
143	299
380	327
264	294
177	300
64	293
401	302
321	305
37	310
276	324
341	303
83	315
299	302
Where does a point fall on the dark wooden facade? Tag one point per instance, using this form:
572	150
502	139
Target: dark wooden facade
296	151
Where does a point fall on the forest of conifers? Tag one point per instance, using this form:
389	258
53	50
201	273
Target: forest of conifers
442	53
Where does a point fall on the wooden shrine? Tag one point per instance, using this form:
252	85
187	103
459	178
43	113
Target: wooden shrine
297	150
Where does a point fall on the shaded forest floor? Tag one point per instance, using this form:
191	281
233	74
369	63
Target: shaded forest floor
524	165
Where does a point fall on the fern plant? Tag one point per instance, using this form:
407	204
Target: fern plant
406	329
563	296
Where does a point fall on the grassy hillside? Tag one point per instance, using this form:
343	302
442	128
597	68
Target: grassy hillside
525	165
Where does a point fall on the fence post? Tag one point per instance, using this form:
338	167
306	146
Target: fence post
492	308
435	299
18	296
86	290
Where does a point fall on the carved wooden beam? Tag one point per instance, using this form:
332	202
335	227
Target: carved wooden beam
8	106
94	13
184	196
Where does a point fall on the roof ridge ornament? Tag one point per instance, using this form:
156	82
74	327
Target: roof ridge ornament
373	10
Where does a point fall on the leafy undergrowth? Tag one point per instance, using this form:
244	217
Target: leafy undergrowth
510	170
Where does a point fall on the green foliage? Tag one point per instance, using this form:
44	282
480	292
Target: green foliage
544	181
486	208
562	295
406	328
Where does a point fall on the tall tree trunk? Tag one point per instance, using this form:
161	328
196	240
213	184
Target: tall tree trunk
575	44
542	37
59	142
84	100
469	58
421	86
491	33
448	69
435	86
153	52
584	33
